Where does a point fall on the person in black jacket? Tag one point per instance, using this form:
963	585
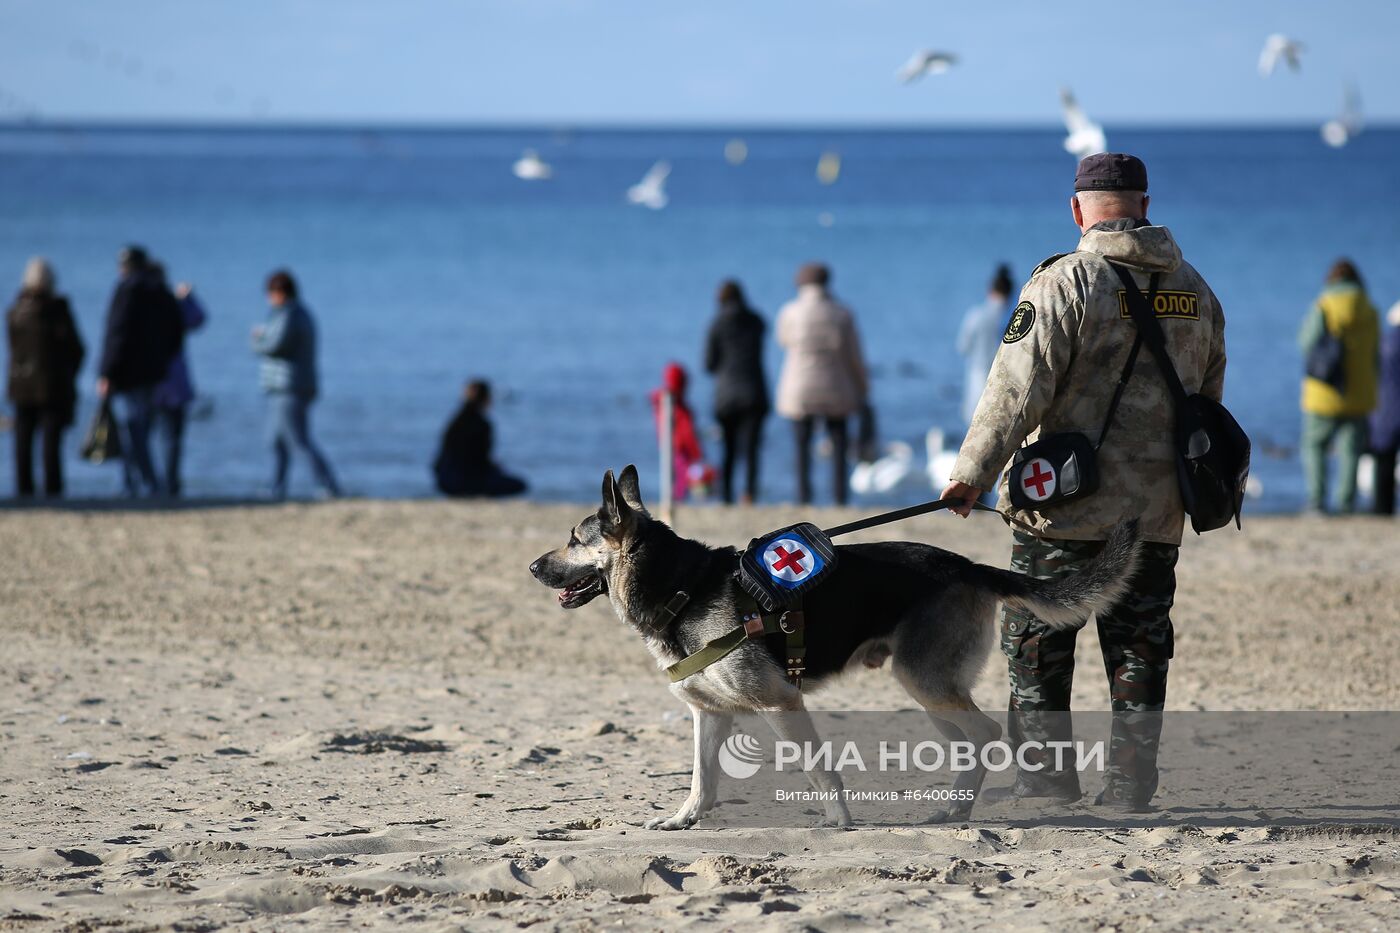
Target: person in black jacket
45	353
464	466
145	332
734	356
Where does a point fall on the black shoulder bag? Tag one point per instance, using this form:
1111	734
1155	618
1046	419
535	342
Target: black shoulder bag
1065	466
1326	359
101	443
1212	449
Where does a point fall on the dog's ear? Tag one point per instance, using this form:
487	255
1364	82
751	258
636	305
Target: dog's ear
616	515
631	488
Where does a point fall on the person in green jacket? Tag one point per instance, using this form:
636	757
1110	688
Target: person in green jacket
1336	414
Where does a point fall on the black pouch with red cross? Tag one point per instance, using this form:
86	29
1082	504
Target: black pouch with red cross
1055	469
1063	467
782	565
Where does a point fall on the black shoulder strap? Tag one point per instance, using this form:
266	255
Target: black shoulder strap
1127	370
1118	392
1151	331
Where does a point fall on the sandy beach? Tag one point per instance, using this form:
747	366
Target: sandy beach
366	714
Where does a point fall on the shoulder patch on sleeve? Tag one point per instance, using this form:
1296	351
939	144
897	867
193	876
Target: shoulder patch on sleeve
1020	324
1048	263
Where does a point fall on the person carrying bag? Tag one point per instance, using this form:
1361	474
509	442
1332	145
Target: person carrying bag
101	442
1168	454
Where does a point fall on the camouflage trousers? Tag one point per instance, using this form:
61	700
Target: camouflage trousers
1136	639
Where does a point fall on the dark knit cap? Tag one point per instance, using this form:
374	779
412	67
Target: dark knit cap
1111	171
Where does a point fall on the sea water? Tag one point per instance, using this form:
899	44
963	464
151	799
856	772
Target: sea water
426	262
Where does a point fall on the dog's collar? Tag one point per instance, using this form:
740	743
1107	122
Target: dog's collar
668	614
674	607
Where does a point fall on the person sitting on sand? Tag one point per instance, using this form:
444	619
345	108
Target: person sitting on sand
464	466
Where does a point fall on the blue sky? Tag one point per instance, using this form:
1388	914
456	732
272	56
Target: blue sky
723	61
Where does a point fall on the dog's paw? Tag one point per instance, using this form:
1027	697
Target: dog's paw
679	821
834	822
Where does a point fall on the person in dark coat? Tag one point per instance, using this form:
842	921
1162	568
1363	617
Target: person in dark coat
734	357
1385	420
45	354
464	466
176	392
145	332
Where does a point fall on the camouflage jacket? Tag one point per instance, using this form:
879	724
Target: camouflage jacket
1059	363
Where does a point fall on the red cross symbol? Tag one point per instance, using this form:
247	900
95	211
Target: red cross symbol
1040	477
786	560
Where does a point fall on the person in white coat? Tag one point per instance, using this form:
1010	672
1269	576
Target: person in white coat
979	338
824	375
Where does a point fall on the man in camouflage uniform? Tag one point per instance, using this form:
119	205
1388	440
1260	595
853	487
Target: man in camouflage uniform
1069	339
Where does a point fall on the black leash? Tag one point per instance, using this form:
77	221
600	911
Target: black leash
885	518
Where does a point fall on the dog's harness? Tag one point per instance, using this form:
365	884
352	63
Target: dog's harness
788	620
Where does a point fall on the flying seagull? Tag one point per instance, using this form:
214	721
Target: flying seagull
1276	47
926	62
1337	133
531	167
1085	136
651	190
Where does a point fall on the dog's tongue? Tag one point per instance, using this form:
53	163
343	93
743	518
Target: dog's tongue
573	591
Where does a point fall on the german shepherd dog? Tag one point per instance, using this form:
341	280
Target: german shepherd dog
929	611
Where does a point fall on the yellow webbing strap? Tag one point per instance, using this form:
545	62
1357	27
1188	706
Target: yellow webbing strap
754	627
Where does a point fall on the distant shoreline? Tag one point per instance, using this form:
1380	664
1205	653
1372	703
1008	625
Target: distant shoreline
119	503
294	126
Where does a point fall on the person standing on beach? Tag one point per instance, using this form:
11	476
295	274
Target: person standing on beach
1335	412
1385	422
45	354
175	393
287	343
979	338
464	466
1068	337
824	375
734	357
144	334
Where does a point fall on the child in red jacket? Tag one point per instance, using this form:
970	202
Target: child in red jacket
690	472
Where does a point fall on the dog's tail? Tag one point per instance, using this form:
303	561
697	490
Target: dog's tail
1066	603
